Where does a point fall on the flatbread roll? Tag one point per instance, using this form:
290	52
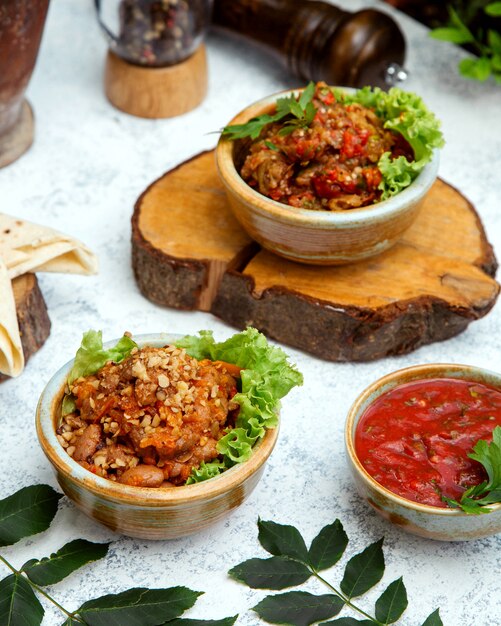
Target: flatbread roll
27	247
11	350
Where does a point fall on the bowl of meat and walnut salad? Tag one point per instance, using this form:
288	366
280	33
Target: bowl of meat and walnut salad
159	436
327	175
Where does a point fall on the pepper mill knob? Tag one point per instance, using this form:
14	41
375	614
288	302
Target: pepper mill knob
319	41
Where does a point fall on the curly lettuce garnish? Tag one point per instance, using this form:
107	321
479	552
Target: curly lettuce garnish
404	112
266	377
90	358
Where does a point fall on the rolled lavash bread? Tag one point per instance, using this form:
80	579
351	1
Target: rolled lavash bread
11	350
28	247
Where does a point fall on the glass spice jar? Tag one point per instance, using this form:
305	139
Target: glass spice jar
154	33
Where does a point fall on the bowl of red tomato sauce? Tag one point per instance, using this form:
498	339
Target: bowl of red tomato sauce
424	447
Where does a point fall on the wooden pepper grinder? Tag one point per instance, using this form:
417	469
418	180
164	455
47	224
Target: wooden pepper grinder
319	41
156	64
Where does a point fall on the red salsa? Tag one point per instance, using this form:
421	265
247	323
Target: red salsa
415	439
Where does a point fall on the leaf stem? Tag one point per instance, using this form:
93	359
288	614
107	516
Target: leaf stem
344	598
5	562
41	591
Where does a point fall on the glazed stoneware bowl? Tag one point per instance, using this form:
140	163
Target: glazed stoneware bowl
443	524
316	237
138	511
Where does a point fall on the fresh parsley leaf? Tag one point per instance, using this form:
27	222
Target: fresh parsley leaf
476	499
301	112
271	146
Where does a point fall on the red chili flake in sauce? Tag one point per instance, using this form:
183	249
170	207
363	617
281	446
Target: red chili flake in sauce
415	439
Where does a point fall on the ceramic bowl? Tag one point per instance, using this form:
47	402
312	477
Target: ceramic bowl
316	237
432	522
137	511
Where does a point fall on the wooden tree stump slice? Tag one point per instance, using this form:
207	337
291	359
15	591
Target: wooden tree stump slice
184	237
32	316
189	252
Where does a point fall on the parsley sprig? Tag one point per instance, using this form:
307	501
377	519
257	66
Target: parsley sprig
476	499
299	111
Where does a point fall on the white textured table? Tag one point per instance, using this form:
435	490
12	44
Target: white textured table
87	167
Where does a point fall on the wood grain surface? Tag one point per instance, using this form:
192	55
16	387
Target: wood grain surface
156	92
32	316
189	252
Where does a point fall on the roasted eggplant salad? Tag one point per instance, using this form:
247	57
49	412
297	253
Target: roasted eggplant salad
175	415
330	149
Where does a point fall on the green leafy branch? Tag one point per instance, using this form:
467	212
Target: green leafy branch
292	564
486	43
30	511
301	113
476	499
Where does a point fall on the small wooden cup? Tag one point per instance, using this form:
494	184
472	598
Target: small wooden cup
156	92
18	139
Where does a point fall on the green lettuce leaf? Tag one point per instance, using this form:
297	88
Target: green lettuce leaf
266	377
205	471
404	112
91	356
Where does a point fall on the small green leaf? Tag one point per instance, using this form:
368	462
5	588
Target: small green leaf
455	20
454	35
363	570
348	621
298	608
489	455
69	558
433	619
494	41
271	146
307	95
392	602
19	606
328	546
496	63
138	607
225	621
68	405
493	9
476	69
274	573
282	540
27	512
